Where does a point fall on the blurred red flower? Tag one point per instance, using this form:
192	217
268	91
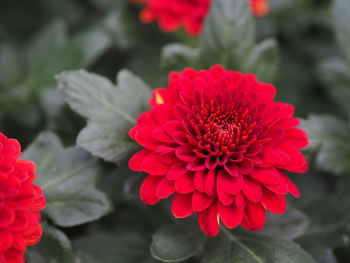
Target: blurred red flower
217	141
20	203
172	14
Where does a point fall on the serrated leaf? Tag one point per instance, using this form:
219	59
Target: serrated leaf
229	33
54	247
289	225
249	248
330	137
68	177
110	111
177	242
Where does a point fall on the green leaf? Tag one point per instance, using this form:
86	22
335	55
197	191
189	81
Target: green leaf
178	56
84	48
68	177
249	248
325	256
229	33
53	247
177	242
263	60
229	39
341	21
335	74
323	237
45	46
289	225
110	111
10	66
120	25
330	136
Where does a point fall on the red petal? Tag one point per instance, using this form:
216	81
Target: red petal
252	189
254	218
201	201
185	153
6	240
196	165
135	162
280	188
173	126
182	205
7	217
165	188
298	162
209	220
185	184
229	184
230	215
295	138
224	197
241	201
144	137
292	187
180	138
148	191
210	182
199	181
165	149
231	168
266	175
159	134
274	203
163	113
152	165
246	167
177	170
272	157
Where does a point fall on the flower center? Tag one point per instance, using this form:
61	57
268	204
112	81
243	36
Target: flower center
223	128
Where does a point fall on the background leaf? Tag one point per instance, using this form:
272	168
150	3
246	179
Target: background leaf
251	248
329	136
177	242
68	177
110	111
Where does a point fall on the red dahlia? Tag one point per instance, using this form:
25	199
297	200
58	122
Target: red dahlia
216	140
20	203
172	14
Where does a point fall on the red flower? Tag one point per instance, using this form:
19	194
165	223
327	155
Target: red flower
260	7
218	142
172	14
20	203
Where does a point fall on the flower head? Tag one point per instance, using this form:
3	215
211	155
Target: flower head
20	203
172	14
260	7
220	145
